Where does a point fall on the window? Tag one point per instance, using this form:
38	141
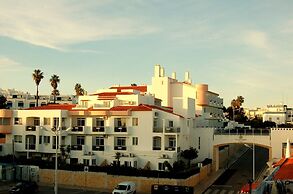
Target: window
161	166
99	122
86	162
94	162
20	104
9	104
120	141
40	139
199	143
80	121
127	163
172	142
43	103
156	143
18	138
134	121
171	124
120	122
80	140
156	122
56	122
46	139
106	103
4	121
32	104
17	121
99	141
36	121
47	121
134	140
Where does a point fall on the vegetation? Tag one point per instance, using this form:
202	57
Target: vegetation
37	77
54	83
118	155
79	91
189	155
3	101
235	112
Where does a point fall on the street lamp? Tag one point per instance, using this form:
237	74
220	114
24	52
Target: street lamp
253	159
57	131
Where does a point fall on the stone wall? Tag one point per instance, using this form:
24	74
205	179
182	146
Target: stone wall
102	181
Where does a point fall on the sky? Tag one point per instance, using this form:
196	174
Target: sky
236	47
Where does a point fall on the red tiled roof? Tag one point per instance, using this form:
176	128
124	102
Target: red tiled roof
53	107
285	171
111	94
139	88
162	109
132	108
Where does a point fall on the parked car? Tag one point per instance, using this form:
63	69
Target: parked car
125	188
24	188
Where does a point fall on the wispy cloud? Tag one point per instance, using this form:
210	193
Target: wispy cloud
257	39
7	64
58	24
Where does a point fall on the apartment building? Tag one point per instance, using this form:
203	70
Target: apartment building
146	124
280	114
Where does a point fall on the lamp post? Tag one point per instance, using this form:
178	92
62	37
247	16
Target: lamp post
57	131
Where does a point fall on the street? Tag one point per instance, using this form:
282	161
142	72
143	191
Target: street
240	172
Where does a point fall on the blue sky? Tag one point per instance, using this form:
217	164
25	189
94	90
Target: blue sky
237	47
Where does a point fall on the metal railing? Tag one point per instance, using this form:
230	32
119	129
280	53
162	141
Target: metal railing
241	131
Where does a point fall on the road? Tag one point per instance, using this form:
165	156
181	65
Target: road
240	172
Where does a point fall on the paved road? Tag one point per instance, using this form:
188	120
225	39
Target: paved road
240	172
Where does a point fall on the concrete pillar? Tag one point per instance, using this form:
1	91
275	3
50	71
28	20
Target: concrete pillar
216	158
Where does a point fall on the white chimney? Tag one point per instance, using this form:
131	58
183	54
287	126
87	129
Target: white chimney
157	70
174	75
187	77
162	72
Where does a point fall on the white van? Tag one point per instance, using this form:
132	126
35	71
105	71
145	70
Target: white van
125	188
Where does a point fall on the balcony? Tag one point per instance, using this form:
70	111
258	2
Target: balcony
157	130
30	147
76	147
120	129
30	128
77	129
98	129
119	147
172	130
170	148
98	148
156	148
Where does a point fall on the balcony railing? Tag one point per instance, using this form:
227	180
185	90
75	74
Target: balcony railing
172	130
120	129
77	129
99	129
98	148
76	147
30	128
170	148
156	148
157	130
30	146
119	147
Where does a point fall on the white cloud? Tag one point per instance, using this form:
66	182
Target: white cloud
7	64
257	39
57	24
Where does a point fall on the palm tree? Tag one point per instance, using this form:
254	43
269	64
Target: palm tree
54	83
79	91
37	77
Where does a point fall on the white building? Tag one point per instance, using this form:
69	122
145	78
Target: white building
148	125
280	114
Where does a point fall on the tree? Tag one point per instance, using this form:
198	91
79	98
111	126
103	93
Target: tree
54	83
37	77
189	154
79	91
3	100
235	111
65	151
118	155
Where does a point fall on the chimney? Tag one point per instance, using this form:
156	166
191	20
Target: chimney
174	75
162	72
157	70
187	77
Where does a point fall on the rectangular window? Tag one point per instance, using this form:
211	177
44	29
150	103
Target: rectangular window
17	121
18	138
172	142
161	166
120	141
171	124
199	143
40	139
134	121
46	139
20	104
36	121
120	122
99	141
4	121
47	121
127	163
99	122
86	162
134	140
80	121
80	140
94	162
56	122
